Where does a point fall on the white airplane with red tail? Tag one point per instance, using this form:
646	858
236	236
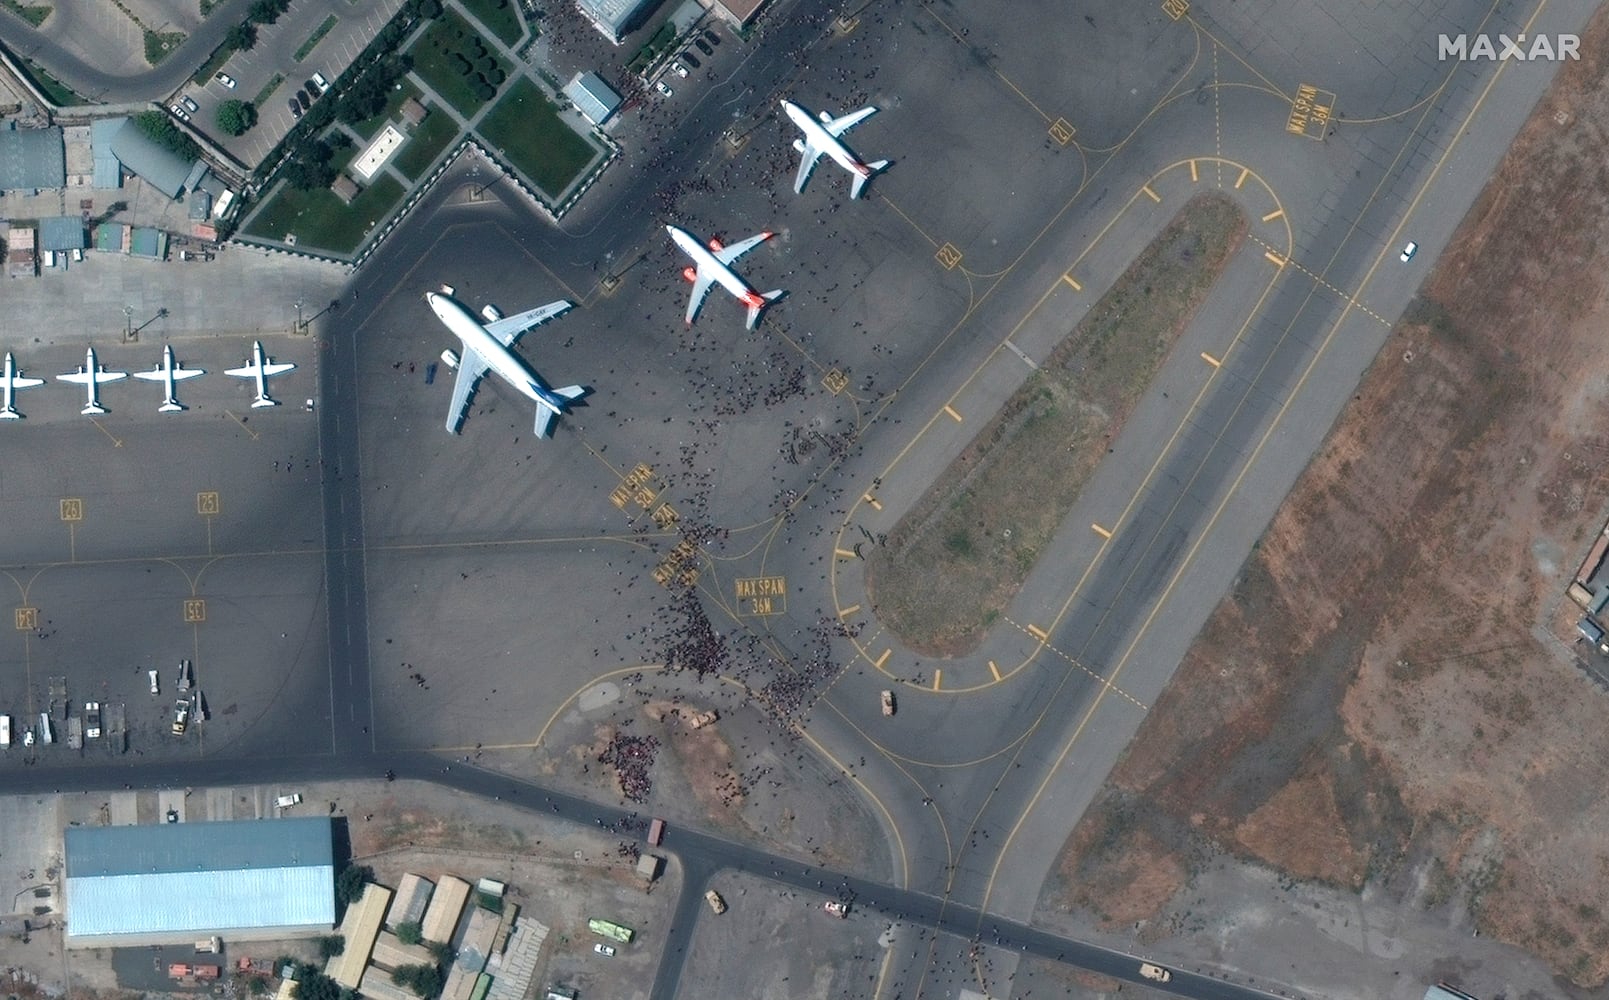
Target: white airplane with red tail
715	266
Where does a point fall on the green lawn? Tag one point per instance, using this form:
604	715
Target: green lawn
426	143
34	14
55	91
499	16
160	44
316	37
320	221
268	89
370	127
214	63
525	127
458	64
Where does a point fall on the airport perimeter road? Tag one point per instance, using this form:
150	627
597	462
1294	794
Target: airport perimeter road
702	856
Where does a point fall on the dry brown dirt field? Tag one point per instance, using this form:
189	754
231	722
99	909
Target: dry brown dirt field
1389	695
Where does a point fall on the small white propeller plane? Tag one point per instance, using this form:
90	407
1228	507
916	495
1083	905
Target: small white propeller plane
90	376
823	137
11	381
489	346
260	366
715	265
168	373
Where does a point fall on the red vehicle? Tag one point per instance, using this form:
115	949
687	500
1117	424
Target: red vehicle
656	831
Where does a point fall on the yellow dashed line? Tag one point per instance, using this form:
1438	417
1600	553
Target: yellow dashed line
938	675
1151	194
994	670
1343	295
951	411
883	659
1271	216
1038	633
1031	630
1244	173
846	612
1209	359
1100	531
1069	279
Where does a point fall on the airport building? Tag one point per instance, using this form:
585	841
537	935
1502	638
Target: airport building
172	883
615	18
592	97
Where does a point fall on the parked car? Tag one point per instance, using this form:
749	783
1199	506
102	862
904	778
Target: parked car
319	82
1409	250
296	109
712	37
179	112
181	716
691	60
679	70
664	88
303	100
286	801
226	80
154	688
190	104
311	90
606	950
716	902
703	46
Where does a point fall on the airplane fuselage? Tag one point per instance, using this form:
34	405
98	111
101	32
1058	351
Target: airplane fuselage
498	358
825	141
707	262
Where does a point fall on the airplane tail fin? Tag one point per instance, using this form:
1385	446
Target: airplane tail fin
754	311
93	409
10	413
169	407
861	179
570	392
262	401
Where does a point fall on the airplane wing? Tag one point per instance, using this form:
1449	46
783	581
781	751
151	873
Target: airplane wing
470	369
808	155
154	375
18	382
726	255
544	422
701	288
82	378
838	126
508	329
180	374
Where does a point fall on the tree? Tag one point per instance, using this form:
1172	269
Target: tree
441	951
312	984
424	980
265	11
241	37
331	945
159	128
236	117
409	932
349	884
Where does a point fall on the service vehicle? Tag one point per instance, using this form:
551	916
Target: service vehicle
27	737
888	703
286	801
716	902
179	112
491	312
679	70
664	88
189	103
606	950
1408	251
656	832
181	716
184	675
46	734
154	688
319	82
837	909
92	719
226	80
5	730
1155	972
611	930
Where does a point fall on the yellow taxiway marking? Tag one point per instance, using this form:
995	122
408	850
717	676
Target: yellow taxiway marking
242	423
1100	531
1275	259
72	509
938	675
878	663
951	411
1038	633
1244	173
872	502
1151	194
116	441
1271	216
843	553
1069	279
27	619
1194	174
207	503
994	670
1209	359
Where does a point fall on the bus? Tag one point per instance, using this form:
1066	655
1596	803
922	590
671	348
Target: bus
610	929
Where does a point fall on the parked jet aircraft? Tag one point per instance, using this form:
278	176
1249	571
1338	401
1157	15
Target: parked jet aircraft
823	137
91	375
260	366
715	265
489	346
168	373
11	381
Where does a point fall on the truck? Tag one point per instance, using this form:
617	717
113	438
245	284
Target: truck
181	716
611	930
184	675
716	902
75	733
1155	972
46	734
286	801
656	832
92	719
208	946
5	730
888	703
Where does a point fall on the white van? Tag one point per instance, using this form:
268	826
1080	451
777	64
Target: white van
5	730
50	258
44	728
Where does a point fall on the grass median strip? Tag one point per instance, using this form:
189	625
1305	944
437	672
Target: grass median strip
955	561
34	14
316	37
